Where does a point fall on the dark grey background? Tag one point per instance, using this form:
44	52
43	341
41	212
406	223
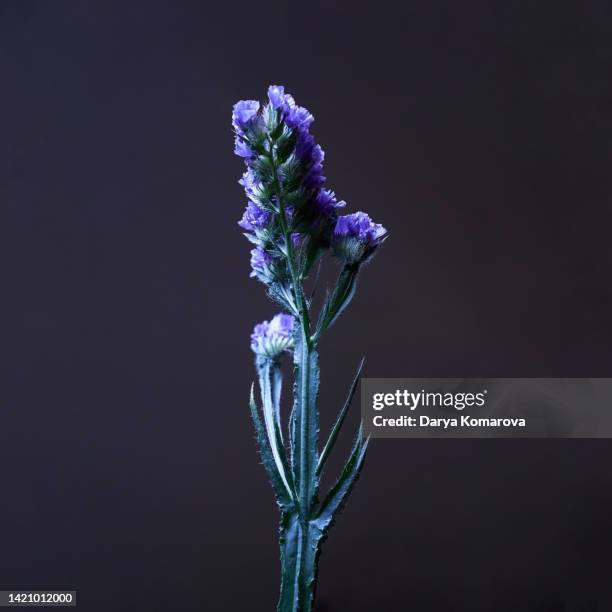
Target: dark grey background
477	132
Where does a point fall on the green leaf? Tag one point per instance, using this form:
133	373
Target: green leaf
314	252
281	295
263	168
277	385
339	421
338	494
283	496
339	299
270	380
285	143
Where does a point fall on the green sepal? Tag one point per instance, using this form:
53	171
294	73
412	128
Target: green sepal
283	498
285	143
281	295
263	168
336	498
270	117
255	137
289	170
339	421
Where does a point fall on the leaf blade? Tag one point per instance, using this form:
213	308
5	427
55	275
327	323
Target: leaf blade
283	498
338	300
270	380
331	441
339	493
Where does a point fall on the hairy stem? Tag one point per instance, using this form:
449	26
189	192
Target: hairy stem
300	546
299	538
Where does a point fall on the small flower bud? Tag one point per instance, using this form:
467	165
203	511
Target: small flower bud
254	218
356	237
262	265
271	338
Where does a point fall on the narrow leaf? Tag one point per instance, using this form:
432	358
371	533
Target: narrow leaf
270	378
314	252
339	299
282	296
283	497
277	384
338	494
315	285
339	421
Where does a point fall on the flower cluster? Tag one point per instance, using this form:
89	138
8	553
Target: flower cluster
287	200
271	338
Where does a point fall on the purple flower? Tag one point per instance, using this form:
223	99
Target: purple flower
288	103
242	149
296	117
356	237
244	112
359	225
296	240
254	217
281	154
251	184
276	95
304	149
260	264
299	118
326	202
271	338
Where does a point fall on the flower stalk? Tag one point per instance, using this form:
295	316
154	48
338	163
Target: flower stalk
293	220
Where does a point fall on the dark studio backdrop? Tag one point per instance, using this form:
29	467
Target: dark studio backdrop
479	133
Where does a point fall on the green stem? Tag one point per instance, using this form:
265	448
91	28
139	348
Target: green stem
305	480
299	537
300	546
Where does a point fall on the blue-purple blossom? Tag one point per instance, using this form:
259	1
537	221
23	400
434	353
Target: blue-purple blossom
284	177
250	183
327	204
260	264
314	178
356	237
244	113
359	225
271	338
276	95
254	218
242	149
298	117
